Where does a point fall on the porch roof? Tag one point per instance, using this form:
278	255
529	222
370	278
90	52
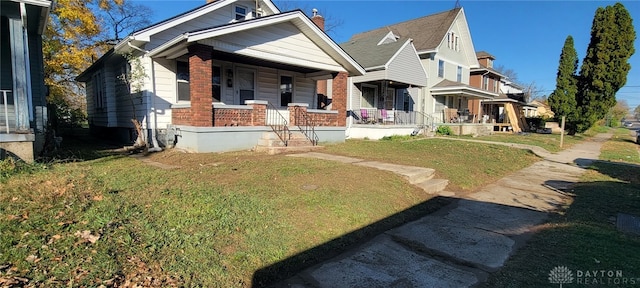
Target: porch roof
327	55
448	87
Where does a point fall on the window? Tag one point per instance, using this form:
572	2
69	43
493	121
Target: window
241	13
440	68
98	91
459	74
368	96
182	76
406	103
455	45
495	85
485	85
286	90
215	84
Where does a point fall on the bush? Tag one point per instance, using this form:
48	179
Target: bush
444	130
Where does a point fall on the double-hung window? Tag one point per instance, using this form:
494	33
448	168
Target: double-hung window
182	75
440	68
98	91
459	78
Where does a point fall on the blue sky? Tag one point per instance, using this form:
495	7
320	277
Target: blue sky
525	36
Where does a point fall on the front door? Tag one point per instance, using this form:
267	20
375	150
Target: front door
245	84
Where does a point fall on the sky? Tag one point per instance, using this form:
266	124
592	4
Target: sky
524	36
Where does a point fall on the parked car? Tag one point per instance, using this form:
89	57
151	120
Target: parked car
628	124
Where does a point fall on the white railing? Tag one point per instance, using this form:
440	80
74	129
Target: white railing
6	111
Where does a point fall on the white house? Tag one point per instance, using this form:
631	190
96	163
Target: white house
419	71
221	75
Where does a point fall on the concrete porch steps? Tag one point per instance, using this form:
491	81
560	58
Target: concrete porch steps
271	144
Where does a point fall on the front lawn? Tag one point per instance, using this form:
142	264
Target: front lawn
215	220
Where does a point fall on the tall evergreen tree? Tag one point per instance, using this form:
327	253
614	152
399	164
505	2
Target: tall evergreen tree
605	67
563	99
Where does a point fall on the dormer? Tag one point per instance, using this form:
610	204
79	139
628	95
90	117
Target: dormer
389	38
246	10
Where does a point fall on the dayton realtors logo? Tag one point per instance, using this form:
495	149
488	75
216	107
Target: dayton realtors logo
563	275
560	275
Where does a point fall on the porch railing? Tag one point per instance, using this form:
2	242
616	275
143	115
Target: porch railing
7	112
306	125
278	124
391	117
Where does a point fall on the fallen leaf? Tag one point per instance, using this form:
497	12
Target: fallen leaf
87	236
31	258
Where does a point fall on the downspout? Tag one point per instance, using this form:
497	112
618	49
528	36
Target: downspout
349	108
156	146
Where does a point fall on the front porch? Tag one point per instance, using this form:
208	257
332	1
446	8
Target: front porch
240	127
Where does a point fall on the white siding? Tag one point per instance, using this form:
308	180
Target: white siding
304	91
110	81
406	68
215	18
267	79
281	43
165	90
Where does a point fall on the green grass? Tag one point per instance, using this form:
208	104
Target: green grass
621	147
468	166
550	142
213	222
94	217
583	237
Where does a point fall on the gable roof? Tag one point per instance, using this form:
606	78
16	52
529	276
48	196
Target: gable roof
427	32
368	53
143	35
296	17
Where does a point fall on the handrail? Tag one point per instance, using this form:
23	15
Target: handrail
278	124
6	108
308	125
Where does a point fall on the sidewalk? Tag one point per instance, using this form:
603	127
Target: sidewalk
459	245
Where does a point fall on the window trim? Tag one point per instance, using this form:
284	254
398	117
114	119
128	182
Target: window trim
293	87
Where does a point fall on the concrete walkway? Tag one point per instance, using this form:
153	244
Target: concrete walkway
459	245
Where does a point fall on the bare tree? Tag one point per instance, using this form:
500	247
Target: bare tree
122	17
330	23
507	72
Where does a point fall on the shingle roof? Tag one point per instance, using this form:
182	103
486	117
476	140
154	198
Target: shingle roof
484	54
427	32
368	53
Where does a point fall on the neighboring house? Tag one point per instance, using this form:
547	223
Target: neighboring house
220	76
542	109
23	108
436	94
487	79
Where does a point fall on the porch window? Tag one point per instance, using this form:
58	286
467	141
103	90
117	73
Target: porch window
182	75
368	96
286	90
98	91
215	84
459	74
406	104
440	68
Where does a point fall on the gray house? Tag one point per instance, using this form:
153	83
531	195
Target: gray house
23	110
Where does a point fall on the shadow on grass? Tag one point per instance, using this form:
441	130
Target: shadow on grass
287	268
79	145
627	172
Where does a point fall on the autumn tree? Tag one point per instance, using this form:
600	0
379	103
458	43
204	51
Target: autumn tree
563	99
78	33
606	65
69	46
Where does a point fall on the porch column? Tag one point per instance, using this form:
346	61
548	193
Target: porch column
19	62
259	112
200	74
293	120
339	93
